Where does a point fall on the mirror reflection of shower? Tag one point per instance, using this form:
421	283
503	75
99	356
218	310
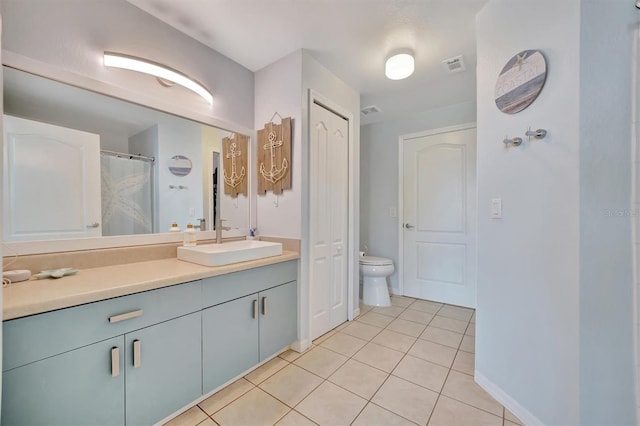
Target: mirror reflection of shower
127	183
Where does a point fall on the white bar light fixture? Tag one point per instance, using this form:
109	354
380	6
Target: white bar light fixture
400	64
162	72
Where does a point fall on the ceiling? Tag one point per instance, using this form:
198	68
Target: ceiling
352	38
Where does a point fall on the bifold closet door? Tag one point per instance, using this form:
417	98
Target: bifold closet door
328	203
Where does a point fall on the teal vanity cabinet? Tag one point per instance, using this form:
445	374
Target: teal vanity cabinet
84	365
249	316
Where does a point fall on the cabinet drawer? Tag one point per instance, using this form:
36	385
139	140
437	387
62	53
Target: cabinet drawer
227	287
36	337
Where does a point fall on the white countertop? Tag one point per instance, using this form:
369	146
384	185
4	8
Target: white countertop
95	284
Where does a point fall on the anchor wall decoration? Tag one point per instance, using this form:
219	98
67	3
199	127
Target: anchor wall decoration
234	159
274	156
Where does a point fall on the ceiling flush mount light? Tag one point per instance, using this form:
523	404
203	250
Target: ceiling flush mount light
162	72
399	65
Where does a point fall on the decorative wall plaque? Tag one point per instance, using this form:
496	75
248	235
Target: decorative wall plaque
274	157
234	160
180	165
520	81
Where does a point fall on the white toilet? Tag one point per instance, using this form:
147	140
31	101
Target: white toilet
374	271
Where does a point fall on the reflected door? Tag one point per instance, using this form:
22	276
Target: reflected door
329	172
51	181
439	235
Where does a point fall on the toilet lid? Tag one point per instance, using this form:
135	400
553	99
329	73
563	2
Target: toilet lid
375	261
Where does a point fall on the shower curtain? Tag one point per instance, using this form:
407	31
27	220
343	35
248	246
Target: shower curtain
127	203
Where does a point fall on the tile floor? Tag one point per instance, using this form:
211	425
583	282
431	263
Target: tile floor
410	363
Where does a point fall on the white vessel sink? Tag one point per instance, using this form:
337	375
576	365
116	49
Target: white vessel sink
226	253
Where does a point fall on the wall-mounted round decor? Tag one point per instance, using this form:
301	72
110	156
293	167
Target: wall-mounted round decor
520	81
180	165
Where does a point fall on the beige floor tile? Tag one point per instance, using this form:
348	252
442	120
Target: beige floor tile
225	396
375	319
434	352
321	361
426	306
464	362
191	417
291	384
266	370
508	415
442	336
449	324
364	308
324	337
359	378
295	419
461	386
256	407
406	399
391	311
344	344
471	330
290	355
410	328
421	372
473	318
468	344
331	405
341	326
449	412
456	312
402	301
416	316
373	415
396	341
379	357
208	422
361	330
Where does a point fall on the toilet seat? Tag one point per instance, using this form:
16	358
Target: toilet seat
375	261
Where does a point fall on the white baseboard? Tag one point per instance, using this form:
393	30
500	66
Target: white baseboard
356	312
503	398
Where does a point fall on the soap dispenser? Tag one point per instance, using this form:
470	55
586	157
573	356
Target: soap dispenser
190	237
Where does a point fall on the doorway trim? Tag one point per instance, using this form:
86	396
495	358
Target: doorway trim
353	221
401	141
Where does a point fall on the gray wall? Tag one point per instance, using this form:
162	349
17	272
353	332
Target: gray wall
379	175
73	34
554	338
608	29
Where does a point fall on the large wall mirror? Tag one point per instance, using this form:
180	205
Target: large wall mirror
81	164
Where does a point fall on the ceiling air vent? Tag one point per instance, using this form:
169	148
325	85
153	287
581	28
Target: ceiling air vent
455	64
372	109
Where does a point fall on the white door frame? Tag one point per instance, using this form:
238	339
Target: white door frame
353	220
401	140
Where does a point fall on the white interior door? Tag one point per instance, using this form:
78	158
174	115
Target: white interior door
51	181
329	183
439	207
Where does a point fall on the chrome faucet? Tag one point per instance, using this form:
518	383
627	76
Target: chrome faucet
219	229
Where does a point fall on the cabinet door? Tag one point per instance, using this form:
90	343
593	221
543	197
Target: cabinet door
229	340
163	369
278	318
78	387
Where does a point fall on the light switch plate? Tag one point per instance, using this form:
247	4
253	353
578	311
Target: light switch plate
393	212
496	208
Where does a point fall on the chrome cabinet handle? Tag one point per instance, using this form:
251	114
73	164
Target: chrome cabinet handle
264	306
125	316
406	225
255	309
94	225
115	361
137	356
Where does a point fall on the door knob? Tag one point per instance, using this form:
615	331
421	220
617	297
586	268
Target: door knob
94	225
407	226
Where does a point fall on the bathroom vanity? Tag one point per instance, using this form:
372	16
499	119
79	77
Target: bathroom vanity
132	344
